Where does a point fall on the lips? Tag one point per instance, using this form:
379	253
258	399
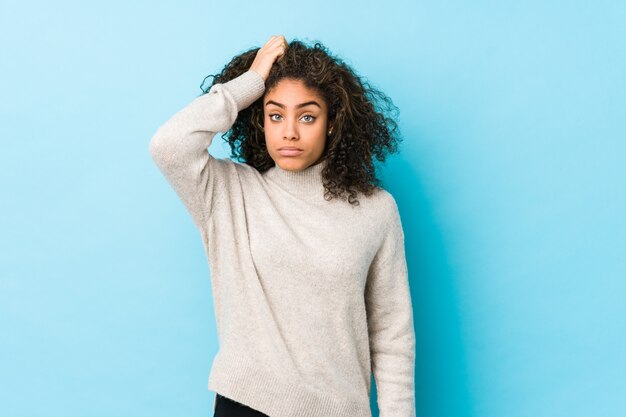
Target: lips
290	151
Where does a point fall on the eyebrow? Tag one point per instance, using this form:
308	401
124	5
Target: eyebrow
297	107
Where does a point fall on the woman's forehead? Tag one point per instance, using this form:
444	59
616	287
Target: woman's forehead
293	93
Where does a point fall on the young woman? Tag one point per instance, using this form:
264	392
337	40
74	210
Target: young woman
305	247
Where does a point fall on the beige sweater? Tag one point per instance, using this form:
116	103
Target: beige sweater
310	295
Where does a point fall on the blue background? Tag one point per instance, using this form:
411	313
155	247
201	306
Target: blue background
511	185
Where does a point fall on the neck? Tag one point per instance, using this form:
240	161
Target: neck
306	183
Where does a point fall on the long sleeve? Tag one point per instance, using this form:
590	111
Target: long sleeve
179	146
390	324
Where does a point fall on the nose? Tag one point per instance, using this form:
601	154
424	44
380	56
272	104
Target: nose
291	130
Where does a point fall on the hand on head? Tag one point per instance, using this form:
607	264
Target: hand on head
273	49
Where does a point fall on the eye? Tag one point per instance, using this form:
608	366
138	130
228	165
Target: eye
311	120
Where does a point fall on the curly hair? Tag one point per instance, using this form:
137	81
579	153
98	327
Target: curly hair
363	118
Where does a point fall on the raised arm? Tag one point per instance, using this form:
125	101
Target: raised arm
179	146
390	324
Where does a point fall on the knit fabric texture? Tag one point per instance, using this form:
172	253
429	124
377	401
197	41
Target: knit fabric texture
311	296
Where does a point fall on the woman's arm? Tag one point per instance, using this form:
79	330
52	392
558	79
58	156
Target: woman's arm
390	324
179	146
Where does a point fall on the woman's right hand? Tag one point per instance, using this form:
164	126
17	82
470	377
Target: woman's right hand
266	56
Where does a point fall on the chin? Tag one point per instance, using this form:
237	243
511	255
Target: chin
292	164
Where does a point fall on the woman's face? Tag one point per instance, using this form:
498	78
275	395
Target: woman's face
294	117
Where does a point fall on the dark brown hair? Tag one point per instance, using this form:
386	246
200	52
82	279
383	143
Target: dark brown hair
363	118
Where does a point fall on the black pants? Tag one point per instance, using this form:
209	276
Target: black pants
225	407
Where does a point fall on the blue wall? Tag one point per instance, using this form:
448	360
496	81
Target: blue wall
511	185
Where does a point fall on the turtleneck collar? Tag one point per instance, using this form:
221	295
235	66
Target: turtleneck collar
306	183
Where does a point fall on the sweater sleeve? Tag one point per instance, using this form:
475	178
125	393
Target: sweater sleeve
179	146
390	324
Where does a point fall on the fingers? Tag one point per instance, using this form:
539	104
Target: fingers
277	42
282	45
273	50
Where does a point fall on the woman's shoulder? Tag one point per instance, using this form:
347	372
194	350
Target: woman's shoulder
241	168
381	200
